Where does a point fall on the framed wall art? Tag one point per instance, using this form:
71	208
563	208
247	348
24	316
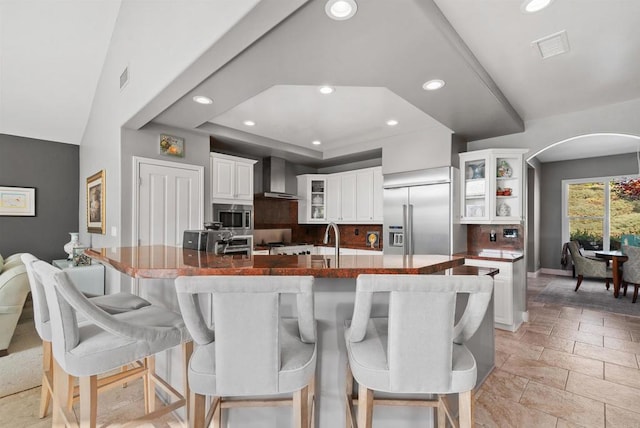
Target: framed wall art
96	197
17	201
171	146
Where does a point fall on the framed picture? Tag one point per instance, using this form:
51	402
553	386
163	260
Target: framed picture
18	201
171	146
96	197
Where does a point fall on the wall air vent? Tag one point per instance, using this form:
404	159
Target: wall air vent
552	45
124	77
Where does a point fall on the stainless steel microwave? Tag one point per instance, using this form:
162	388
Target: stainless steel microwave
236	218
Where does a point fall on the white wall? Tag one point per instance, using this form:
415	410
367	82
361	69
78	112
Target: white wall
419	150
541	133
158	41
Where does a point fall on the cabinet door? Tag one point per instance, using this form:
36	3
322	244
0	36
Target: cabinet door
243	181
334	183
348	198
378	193
223	178
364	195
502	290
475	191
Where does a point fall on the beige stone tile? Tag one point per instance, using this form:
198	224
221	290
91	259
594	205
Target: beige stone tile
595	314
553	342
505	385
621	418
607	355
604	391
622	345
605	331
544	312
572	362
563	404
622	375
570	310
500	358
21	410
566	424
512	335
592	321
635	336
515	347
492	411
536	370
538	327
579	336
620	323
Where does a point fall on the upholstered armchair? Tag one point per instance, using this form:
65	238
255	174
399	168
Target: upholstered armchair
631	270
14	288
588	267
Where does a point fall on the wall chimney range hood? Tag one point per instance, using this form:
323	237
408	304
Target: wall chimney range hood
274	179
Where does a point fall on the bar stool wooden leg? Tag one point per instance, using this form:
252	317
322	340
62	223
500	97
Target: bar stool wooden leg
62	417
47	379
349	394
442	415
197	404
301	408
217	414
365	407
187	350
149	385
465	410
88	401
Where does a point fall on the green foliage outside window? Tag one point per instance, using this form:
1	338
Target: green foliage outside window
586	212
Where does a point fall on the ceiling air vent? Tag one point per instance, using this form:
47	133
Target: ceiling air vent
552	45
124	77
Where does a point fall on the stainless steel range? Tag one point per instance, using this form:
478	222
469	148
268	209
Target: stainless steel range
282	248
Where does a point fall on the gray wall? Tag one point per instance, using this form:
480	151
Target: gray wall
551	176
52	169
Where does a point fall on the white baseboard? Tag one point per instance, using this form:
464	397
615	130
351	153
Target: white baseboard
533	274
560	272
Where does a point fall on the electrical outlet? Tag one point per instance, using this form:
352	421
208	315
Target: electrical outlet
510	233
492	236
357	232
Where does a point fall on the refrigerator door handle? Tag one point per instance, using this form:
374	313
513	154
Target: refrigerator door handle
409	230
404	230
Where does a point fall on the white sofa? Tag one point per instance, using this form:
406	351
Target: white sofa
14	288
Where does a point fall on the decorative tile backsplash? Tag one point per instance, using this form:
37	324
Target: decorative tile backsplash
272	216
478	237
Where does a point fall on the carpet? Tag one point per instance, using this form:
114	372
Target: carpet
592	294
22	368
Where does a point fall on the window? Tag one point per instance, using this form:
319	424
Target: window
597	212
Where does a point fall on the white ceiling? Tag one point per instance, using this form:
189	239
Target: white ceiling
52	60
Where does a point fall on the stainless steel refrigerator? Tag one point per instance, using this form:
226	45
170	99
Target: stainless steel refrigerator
421	213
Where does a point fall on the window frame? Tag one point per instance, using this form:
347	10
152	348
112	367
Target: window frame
606	222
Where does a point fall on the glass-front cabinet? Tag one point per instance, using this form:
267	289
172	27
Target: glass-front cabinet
492	186
312	205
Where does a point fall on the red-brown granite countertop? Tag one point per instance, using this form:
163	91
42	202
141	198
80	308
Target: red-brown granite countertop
161	261
493	255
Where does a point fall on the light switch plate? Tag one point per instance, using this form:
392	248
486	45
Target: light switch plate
114	231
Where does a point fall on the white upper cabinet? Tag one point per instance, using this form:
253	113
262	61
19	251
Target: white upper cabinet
231	179
493	186
312	205
351	197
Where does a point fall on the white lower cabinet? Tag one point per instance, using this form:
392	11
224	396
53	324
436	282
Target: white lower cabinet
508	285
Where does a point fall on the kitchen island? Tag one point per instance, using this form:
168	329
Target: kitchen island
334	293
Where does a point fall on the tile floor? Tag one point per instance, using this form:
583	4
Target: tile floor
567	367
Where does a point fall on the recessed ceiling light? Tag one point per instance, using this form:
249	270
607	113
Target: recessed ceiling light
340	10
201	99
531	6
392	122
432	85
249	123
325	90
316	142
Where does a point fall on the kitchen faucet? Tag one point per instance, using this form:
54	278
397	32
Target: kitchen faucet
337	233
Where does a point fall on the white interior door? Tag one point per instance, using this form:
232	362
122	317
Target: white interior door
170	201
